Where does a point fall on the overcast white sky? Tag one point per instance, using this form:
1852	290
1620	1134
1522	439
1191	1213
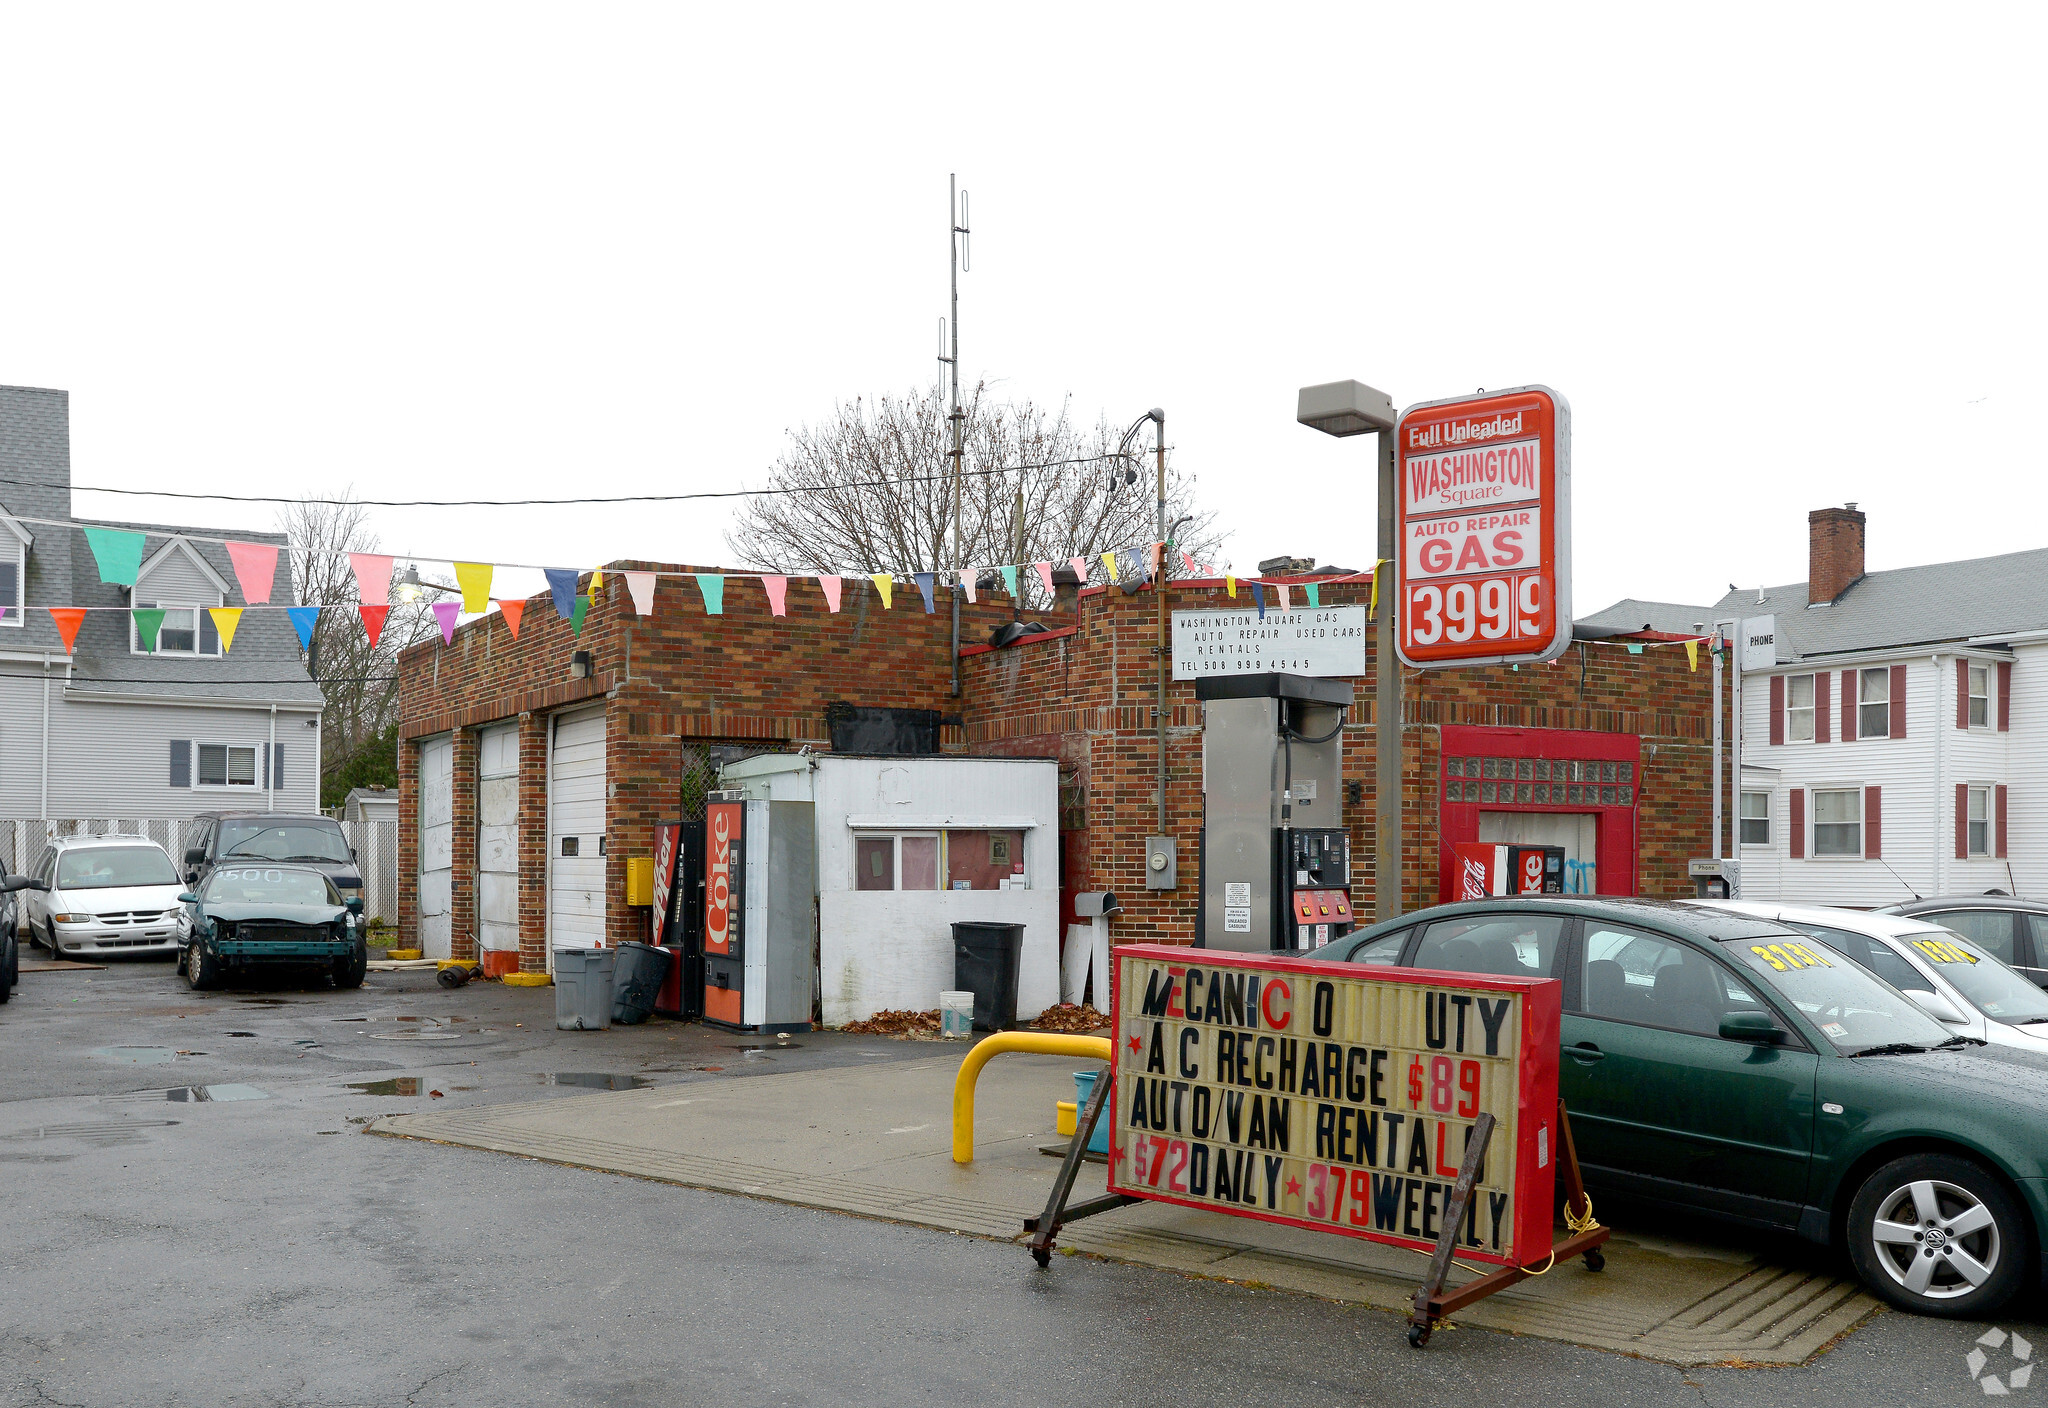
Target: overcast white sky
1776	257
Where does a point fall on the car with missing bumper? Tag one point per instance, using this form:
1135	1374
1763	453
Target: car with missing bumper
263	916
1732	1066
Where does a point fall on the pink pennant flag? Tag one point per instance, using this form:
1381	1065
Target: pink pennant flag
830	585
255	568
1080	565
1190	563
373	578
967	576
1281	588
1045	575
777	589
640	585
445	612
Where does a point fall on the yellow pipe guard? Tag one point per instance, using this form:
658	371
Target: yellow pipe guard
1084	1048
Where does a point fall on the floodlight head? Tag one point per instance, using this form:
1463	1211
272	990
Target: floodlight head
1344	408
409	586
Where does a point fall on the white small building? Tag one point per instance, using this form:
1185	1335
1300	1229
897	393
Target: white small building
371	804
907	847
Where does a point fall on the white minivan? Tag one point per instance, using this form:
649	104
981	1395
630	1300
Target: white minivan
107	895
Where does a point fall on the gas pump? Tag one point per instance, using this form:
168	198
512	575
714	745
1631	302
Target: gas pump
1276	857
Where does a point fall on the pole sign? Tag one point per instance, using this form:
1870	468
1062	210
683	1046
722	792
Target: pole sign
1336	1098
1484	513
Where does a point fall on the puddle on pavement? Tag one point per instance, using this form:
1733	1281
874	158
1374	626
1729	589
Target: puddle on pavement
102	1133
264	1001
595	1080
397	1085
778	1046
424	1034
348	1019
136	1055
197	1094
238	1033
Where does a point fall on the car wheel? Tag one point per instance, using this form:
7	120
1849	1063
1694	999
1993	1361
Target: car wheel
50	938
10	969
348	972
1939	1235
201	971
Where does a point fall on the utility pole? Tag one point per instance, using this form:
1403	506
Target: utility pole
956	220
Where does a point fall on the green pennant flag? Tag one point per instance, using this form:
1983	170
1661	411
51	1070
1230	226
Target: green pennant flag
1634	649
576	613
712	584
1315	594
1010	580
148	621
119	555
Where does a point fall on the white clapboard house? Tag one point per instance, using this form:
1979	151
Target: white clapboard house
113	732
1894	724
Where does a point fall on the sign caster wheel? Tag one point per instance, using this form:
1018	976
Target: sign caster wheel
1417	1337
1043	1256
1595	1261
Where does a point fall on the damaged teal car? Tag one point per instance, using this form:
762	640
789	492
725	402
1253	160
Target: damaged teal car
263	916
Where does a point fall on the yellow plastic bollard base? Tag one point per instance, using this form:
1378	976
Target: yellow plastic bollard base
1069	1117
526	980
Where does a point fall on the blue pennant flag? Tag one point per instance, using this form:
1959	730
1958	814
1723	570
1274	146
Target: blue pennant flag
562	586
303	619
924	584
1259	595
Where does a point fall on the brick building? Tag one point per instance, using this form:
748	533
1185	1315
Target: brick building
1616	742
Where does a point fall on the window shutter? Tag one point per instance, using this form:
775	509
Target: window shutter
1898	694
277	767
264	780
1796	829
181	762
1850	697
1962	692
1873	823
1777	709
1999	820
1823	712
2004	696
1962	821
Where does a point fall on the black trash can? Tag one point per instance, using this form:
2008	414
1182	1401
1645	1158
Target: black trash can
985	963
636	982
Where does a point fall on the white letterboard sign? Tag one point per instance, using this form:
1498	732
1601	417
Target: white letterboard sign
1325	640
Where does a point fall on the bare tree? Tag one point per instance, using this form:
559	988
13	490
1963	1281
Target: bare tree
871	490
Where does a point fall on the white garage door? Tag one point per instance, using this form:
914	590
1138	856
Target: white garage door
576	831
497	838
437	838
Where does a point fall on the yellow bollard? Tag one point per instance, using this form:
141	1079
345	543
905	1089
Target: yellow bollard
1085	1048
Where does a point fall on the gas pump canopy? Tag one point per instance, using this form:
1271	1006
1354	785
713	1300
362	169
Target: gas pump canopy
1336	1098
1484	514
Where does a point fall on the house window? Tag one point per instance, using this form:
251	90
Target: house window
186	630
1838	822
1980	696
13	571
1756	819
1979	825
227	765
896	862
1874	704
1799	709
983	860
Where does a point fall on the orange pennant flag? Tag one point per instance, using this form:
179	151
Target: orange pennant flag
512	611
68	619
373	621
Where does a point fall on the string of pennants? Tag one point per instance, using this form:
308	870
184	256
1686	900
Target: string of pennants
118	553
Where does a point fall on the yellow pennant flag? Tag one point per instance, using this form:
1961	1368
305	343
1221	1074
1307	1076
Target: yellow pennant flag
475	580
1109	565
1230	584
1692	655
1372	610
596	580
225	619
885	584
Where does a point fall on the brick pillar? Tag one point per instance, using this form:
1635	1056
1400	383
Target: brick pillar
462	874
533	843
408	843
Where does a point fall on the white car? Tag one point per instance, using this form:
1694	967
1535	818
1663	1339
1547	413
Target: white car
106	895
1955	980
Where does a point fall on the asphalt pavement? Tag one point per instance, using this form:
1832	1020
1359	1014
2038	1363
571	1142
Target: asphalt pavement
197	1217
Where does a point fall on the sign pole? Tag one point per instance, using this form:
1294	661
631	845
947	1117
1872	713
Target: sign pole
1386	731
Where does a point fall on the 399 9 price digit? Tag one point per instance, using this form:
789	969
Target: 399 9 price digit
1508	609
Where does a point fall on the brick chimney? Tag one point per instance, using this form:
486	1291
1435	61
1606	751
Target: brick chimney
1834	553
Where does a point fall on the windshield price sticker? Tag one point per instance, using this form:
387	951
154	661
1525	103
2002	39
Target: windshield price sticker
1336	1099
1789	958
1943	952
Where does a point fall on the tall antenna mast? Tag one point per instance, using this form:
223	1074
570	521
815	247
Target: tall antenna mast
956	220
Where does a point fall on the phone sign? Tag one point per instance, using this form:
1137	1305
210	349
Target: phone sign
1484	517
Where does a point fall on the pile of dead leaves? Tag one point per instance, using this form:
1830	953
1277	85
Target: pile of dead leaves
888	1023
1067	1017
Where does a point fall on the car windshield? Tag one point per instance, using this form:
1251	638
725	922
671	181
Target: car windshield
290	840
1854	1011
250	885
105	867
1995	990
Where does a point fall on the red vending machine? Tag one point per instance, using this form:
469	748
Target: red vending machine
1493	868
678	916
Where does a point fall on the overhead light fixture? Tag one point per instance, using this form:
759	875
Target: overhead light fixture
410	587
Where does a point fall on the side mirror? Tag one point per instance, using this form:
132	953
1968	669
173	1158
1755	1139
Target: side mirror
1938	1007
1754	1027
188	898
195	855
21	882
353	904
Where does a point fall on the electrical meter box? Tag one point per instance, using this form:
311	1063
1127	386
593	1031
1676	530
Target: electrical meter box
1276	857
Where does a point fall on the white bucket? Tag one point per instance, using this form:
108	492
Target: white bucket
956	1014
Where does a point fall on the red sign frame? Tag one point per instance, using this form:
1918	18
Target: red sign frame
1483	514
1367	1188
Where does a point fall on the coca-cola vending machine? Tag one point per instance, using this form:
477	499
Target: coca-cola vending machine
1492	868
759	913
677	916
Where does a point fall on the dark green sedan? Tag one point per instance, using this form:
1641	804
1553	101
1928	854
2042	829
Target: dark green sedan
266	915
1730	1066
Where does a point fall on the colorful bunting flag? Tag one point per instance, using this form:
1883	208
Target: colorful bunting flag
1315	595
445	612
967	583
1634	649
1158	557
640	586
68	619
373	581
1230	584
1044	570
924	586
373	621
1190	563
712	586
475	580
1010	581
778	592
512	611
562	587
1692	655
303	620
118	554
148	621
1280	591
1109	565
596	582
1080	566
582	607
885	584
225	619
255	567
1372	607
830	585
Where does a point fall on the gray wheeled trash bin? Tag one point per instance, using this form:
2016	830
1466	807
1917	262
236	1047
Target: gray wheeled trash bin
583	988
636	982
